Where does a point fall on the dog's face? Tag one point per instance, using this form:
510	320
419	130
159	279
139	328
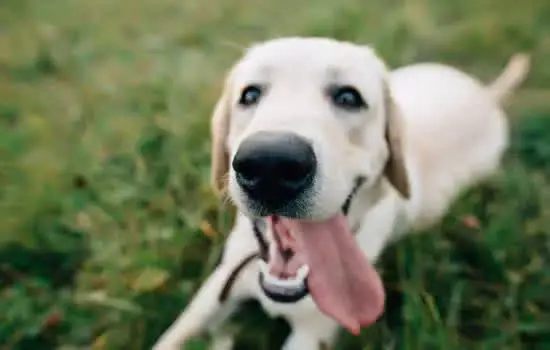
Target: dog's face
300	124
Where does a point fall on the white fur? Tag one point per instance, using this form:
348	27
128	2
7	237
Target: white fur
454	134
297	73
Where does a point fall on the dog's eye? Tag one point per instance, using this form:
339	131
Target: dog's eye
250	95
347	97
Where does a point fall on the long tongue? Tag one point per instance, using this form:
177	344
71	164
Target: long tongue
341	281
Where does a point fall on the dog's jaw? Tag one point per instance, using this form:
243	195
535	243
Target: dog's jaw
292	288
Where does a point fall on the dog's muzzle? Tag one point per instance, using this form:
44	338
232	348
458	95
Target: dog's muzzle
289	289
274	168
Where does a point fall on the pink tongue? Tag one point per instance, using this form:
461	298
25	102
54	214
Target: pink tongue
341	281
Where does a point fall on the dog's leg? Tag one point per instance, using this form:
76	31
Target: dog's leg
203	309
232	281
314	333
222	341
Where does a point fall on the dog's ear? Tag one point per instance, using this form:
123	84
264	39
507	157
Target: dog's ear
219	128
395	169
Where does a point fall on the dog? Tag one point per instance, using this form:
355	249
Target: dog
329	156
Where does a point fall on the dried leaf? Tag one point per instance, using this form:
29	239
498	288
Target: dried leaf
470	221
100	342
150	279
208	230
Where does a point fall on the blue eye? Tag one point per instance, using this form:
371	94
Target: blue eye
347	97
250	95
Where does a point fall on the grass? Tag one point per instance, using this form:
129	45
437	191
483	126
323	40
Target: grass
107	221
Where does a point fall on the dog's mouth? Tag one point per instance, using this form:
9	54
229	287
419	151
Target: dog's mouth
323	259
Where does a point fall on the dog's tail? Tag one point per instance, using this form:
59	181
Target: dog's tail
511	77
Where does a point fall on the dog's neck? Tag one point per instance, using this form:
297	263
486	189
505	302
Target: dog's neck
367	197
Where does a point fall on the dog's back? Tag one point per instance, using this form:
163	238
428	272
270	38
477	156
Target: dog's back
455	130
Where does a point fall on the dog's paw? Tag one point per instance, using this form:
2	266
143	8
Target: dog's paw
222	342
163	345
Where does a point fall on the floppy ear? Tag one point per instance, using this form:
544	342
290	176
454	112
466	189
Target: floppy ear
395	169
219	128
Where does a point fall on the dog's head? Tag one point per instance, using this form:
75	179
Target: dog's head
299	122
300	125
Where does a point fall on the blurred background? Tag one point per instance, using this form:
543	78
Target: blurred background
107	221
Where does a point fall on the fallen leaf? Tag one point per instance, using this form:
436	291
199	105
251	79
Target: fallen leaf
207	229
470	221
150	279
100	342
53	320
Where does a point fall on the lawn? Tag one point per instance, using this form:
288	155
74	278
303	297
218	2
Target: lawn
107	221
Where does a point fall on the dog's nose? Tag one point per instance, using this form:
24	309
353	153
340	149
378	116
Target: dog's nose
274	167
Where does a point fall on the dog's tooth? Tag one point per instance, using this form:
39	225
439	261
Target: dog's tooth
302	273
263	267
289	284
269	278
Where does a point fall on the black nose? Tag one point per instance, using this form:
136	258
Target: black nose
274	167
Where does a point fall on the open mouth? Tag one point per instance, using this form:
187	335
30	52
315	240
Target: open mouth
323	259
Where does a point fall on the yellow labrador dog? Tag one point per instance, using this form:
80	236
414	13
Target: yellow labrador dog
329	156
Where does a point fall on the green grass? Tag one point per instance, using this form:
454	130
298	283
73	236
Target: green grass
107	221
